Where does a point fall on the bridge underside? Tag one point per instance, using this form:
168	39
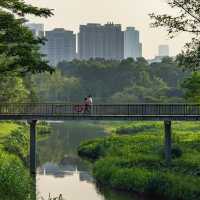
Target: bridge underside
101	117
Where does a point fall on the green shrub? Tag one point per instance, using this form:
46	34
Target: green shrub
117	174
132	179
189	166
43	129
136	163
156	185
17	143
14	179
103	170
176	152
135	129
180	187
91	149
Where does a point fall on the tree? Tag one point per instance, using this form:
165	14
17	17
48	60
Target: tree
19	49
191	86
168	71
13	89
57	87
187	20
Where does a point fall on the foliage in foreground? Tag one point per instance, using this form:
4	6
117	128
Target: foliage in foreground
19	49
15	183
135	162
17	143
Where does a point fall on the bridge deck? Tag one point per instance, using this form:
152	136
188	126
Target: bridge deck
48	111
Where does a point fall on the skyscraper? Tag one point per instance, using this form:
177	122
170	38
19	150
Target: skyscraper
60	45
37	29
132	45
90	41
113	42
97	41
163	50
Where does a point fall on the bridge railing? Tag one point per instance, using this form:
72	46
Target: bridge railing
102	110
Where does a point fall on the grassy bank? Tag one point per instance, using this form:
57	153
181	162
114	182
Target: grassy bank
132	159
15	181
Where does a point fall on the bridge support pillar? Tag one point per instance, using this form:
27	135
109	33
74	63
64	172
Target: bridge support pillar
32	153
168	142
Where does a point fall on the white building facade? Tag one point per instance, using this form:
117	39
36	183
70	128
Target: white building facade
132	45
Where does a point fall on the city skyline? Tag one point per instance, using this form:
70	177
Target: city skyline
90	43
70	14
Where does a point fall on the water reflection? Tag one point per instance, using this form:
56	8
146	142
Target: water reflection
61	171
50	169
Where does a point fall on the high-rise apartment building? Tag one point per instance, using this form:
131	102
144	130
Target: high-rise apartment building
97	41
60	45
113	41
90	41
132	45
163	50
37	29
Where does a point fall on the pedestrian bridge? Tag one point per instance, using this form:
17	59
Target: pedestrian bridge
57	111
32	112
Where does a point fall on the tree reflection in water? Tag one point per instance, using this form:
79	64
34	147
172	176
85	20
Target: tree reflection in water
60	170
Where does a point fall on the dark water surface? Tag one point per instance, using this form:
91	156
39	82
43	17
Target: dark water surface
61	171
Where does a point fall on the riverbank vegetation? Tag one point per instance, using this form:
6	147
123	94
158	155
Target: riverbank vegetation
15	181
132	157
133	160
20	56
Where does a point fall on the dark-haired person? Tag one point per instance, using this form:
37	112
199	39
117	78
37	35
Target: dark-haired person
90	103
86	105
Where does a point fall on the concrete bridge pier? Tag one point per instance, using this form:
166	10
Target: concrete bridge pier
32	124
32	153
168	142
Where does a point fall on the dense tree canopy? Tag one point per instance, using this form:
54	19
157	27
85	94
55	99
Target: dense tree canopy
19	49
191	86
126	81
20	53
13	89
21	8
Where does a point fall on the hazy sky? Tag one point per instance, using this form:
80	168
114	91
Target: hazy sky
70	13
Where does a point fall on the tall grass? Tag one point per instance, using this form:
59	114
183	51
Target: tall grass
134	161
15	182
